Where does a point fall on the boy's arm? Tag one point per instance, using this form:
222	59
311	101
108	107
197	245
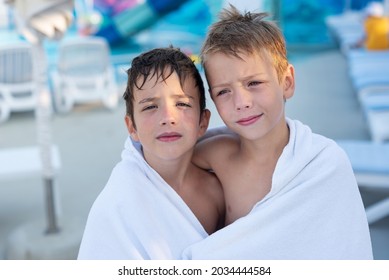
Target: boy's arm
211	147
203	153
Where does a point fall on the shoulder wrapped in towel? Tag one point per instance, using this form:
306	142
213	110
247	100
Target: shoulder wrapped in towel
138	215
313	211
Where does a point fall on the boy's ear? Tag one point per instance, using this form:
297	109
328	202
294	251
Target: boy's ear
204	122
289	82
131	128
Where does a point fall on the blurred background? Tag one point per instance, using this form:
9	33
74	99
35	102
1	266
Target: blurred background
62	132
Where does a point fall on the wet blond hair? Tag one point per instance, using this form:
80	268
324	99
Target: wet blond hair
248	33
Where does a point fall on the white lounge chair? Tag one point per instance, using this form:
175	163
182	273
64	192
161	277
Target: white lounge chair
84	74
368	72
346	28
25	162
368	68
17	86
375	104
370	162
4	111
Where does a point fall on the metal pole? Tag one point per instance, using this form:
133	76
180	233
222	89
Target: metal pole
51	210
43	114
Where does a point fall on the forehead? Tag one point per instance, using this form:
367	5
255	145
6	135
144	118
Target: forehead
221	64
245	57
157	84
243	60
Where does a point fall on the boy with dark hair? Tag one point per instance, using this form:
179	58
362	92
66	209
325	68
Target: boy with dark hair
157	202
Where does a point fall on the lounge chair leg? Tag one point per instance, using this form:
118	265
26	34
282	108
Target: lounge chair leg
377	211
63	104
4	112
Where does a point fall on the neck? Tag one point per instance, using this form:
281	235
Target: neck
173	171
269	147
174	174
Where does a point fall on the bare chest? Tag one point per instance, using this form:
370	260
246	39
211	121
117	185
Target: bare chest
243	188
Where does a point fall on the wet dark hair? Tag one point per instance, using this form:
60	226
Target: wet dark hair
161	62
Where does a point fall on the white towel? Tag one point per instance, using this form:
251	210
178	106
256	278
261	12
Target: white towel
138	215
313	211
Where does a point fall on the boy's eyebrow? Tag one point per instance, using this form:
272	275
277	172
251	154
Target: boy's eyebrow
145	100
151	99
241	79
219	85
186	95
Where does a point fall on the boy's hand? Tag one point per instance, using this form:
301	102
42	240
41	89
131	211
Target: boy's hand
220	130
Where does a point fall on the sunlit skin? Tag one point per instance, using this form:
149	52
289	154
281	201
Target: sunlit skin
250	99
168	124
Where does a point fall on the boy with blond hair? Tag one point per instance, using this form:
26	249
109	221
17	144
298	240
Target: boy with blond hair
289	193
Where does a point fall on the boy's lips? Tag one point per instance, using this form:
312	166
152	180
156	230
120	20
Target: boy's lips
169	136
249	120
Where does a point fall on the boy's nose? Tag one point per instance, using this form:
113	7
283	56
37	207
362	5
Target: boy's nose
168	117
242	99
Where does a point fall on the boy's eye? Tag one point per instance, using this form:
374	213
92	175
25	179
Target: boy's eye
254	83
150	107
224	91
183	104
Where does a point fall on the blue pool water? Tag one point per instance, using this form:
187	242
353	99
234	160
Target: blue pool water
303	21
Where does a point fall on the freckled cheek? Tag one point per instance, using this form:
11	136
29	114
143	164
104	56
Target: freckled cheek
224	108
188	118
147	123
277	103
273	107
